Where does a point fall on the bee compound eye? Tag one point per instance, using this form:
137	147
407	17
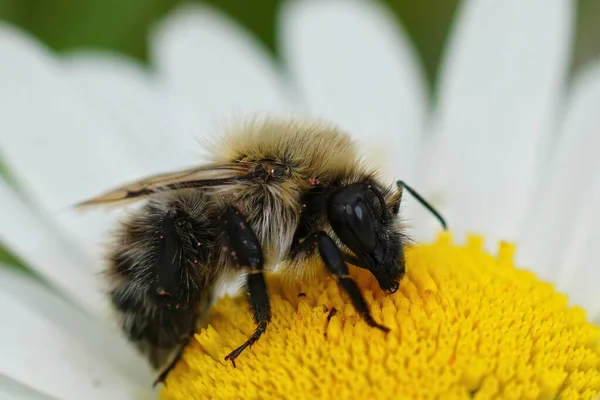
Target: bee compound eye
352	219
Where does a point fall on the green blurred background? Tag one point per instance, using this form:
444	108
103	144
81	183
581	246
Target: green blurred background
123	25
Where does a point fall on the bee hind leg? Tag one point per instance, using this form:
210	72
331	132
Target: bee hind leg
161	280
174	360
334	261
247	254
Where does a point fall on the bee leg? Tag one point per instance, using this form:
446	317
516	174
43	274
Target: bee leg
174	360
247	254
334	261
176	355
160	275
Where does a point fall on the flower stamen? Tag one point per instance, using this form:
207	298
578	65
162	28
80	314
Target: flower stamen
464	324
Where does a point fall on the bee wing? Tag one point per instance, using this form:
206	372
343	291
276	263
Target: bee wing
202	176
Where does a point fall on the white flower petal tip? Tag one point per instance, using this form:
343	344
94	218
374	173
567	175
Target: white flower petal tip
62	147
355	67
105	65
129	95
499	91
213	69
13	37
34	83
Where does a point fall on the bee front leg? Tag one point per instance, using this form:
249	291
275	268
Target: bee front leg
334	261
247	253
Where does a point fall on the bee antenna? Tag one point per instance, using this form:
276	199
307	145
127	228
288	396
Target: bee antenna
401	185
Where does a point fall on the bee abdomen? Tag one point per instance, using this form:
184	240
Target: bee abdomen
160	326
160	272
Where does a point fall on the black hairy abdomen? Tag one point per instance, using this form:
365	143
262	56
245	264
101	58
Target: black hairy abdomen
161	272
157	325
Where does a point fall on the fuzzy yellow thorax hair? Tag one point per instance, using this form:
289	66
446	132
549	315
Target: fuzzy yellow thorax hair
311	148
464	325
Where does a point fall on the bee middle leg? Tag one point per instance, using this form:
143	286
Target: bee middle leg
334	261
246	253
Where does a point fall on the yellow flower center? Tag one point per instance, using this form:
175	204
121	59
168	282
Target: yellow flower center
464	325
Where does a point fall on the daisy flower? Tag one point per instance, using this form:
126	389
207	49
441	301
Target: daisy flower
507	148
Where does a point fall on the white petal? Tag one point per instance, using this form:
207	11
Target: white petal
47	357
552	217
561	240
45	251
355	66
580	270
500	87
13	390
62	150
129	95
103	342
213	70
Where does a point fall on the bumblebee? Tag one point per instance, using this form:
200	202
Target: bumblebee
294	194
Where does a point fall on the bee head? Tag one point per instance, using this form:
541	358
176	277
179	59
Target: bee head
367	225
